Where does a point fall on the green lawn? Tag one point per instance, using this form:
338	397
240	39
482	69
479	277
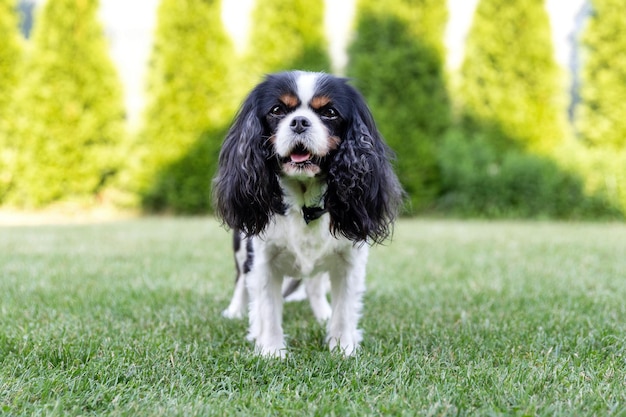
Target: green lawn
461	317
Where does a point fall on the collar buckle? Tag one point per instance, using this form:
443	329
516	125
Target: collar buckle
312	213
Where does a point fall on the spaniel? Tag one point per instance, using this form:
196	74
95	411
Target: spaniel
306	182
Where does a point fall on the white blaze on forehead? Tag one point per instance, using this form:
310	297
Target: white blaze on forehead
315	137
306	83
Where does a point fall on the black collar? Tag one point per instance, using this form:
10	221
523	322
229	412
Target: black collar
312	213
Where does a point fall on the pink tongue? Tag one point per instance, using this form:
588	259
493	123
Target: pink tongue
298	158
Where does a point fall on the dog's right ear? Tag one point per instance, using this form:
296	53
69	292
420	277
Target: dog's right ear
246	191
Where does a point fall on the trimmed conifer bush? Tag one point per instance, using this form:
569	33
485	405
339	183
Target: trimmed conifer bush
510	89
10	57
600	121
68	114
502	159
396	61
190	102
286	35
602	110
10	53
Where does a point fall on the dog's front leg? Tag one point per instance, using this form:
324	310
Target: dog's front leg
266	309
347	285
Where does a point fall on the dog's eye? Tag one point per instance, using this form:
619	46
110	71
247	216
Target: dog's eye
329	113
277	111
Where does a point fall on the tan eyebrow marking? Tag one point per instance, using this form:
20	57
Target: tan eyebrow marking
289	100
318	102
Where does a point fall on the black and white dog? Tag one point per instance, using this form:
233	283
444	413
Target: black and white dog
306	182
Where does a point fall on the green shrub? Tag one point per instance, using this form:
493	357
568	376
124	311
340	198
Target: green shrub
479	180
10	57
67	119
600	115
286	35
600	151
603	170
191	100
396	61
501	159
509	78
10	53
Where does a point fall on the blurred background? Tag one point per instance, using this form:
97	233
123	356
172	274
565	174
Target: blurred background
495	108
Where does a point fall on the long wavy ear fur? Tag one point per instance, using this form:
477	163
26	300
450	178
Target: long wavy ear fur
245	191
364	195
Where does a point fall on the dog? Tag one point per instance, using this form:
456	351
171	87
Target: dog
306	182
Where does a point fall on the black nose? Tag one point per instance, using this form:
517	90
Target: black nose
299	124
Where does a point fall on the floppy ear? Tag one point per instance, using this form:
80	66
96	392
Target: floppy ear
246	189
364	194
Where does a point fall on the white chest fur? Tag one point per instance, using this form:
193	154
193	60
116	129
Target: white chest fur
299	249
295	248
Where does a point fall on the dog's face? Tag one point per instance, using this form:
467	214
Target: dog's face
304	122
307	126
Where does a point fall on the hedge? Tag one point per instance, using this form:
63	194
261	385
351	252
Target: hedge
505	150
67	122
510	83
600	147
601	113
191	101
479	180
10	53
396	60
510	155
286	35
10	58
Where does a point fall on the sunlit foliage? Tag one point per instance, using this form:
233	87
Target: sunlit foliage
396	60
67	120
190	102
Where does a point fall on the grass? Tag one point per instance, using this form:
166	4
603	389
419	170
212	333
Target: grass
461	317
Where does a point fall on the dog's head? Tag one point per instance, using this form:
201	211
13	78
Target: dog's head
305	125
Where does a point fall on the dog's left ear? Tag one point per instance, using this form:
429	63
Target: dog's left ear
364	194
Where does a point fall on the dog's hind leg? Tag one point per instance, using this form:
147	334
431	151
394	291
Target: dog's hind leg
316	289
266	310
238	307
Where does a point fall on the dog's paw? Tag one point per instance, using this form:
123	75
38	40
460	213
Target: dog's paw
322	313
234	313
278	351
346	344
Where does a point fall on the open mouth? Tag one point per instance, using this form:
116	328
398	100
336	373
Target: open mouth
301	162
299	155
